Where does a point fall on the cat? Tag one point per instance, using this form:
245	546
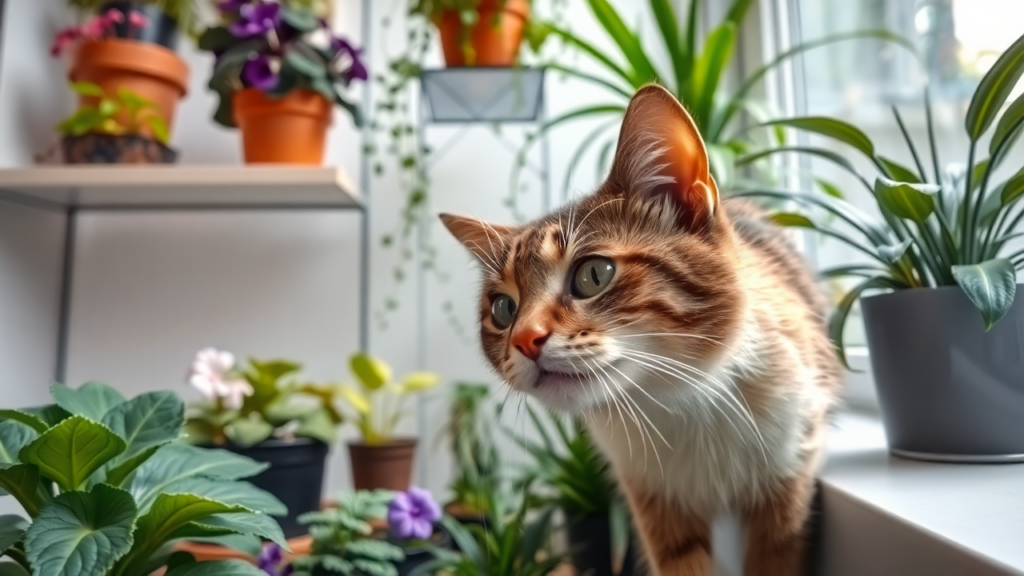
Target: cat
685	330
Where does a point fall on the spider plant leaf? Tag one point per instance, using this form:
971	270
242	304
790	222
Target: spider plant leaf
668	24
990	285
861	270
832	128
792	220
737	12
846	212
898	172
708	71
575	73
993	90
914	202
689	49
837	323
598	55
830	189
628	43
1013	188
891	253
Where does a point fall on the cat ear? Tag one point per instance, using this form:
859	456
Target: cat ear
482	239
661	154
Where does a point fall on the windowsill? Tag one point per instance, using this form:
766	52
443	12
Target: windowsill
888	516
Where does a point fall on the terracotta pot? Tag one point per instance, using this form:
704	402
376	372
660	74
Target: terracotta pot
151	71
109	149
387	466
288	130
204	551
493	41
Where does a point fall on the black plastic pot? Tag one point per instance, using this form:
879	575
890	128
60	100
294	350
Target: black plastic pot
160	29
109	149
295	476
590	547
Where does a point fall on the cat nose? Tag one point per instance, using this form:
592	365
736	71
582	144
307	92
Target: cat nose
529	340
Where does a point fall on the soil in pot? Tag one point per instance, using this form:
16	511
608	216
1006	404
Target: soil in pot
287	130
387	466
153	72
948	390
160	28
590	547
493	41
108	149
295	476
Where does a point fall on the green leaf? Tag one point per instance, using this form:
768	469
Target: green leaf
305	65
830	127
837	323
218	568
87	89
108	108
914	202
159	127
216	38
708	71
990	285
665	15
12	569
261	525
22	482
72	451
231	492
81	533
148	420
92	399
624	38
121	472
891	253
25	418
993	90
247	432
178	461
371	372
791	220
898	172
51	414
830	189
1013	189
300	19
13	437
1008	128
318	425
12	528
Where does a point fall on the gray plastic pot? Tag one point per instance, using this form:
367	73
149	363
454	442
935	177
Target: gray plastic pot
948	390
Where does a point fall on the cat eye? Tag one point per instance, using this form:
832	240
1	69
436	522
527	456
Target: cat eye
592	276
503	311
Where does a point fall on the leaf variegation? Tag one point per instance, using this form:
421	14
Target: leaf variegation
70	452
990	286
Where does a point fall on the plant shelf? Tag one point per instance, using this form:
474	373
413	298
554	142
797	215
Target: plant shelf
111	187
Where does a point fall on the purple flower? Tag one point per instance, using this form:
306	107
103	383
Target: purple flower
260	73
256	19
270	560
355	69
412	514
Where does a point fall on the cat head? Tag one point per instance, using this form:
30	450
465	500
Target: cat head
630	290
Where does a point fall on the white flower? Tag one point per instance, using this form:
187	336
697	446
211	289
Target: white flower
211	374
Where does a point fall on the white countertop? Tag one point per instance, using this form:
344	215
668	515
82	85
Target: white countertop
975	509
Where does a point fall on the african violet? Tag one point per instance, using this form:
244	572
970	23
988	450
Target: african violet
246	405
108	485
278	47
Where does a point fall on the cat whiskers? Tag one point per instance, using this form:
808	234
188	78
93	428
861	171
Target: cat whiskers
615	403
573	231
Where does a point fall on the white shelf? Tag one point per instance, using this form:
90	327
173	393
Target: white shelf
179	187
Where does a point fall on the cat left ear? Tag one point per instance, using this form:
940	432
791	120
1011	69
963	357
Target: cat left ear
661	154
482	239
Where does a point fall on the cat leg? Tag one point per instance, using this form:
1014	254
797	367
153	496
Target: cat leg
676	541
777	529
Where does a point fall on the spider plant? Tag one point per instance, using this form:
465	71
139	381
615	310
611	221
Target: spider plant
934	231
694	76
473	449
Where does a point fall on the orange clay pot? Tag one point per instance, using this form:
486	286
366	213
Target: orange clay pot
299	546
493	41
151	71
289	130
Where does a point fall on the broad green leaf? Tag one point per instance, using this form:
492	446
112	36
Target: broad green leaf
914	202
13	437
119	474
305	65
837	323
244	543
898	172
148	420
318	425
1014	188
51	414
81	533
218	568
990	285
22	482
25	418
12	528
72	451
301	20
246	432
178	461
87	89
1008	129
791	220
12	569
371	372
836	129
261	525
418	382
993	90
231	492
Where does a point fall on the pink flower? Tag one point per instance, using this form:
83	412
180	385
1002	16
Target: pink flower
137	19
63	38
113	16
212	374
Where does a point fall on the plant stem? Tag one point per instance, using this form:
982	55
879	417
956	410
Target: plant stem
965	214
931	138
910	144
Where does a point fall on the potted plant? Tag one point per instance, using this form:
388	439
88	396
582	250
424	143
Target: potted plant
476	459
279	72
110	51
342	541
477	32
263	411
943	268
576	479
107	486
380	459
95	135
